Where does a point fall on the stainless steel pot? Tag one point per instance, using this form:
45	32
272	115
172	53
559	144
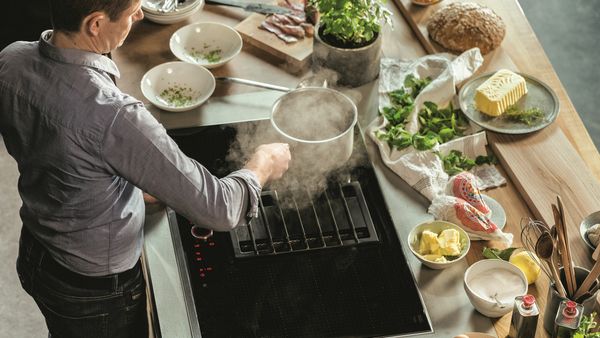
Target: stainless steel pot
317	122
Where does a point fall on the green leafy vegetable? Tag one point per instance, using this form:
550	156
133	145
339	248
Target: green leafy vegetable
437	125
415	84
489	159
492	253
445	122
396	115
528	116
425	142
456	162
401	97
587	324
396	136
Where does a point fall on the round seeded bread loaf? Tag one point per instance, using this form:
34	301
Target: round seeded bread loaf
460	26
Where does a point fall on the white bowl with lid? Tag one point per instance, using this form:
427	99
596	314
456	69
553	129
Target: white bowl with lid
177	86
492	285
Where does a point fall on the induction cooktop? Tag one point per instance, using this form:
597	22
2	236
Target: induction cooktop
317	262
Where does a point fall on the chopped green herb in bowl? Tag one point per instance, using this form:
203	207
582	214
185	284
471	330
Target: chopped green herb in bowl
205	54
177	95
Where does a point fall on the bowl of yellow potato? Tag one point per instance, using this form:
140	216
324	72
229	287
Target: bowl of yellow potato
438	244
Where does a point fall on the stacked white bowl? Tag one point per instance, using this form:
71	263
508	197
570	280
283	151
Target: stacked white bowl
153	12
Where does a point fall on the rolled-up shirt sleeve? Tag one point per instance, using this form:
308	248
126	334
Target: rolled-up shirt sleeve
137	148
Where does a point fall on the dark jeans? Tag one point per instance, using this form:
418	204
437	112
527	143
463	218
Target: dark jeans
81	306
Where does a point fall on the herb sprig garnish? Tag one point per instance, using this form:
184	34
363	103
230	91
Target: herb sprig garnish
528	116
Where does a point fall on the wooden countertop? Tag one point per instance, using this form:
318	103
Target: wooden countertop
148	43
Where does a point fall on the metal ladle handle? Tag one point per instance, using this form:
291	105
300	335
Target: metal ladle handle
252	83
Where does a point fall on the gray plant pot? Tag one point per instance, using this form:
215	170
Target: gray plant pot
355	66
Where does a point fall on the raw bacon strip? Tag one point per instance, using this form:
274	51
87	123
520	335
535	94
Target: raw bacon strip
289	27
294	6
309	29
293	30
280	34
284	19
297	19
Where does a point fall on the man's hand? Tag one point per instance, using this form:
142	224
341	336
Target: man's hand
270	161
149	199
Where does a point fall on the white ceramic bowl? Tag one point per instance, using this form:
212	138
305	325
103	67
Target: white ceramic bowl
152	6
193	42
489	277
183	12
194	83
437	226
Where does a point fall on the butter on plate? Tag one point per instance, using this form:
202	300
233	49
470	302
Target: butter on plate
500	91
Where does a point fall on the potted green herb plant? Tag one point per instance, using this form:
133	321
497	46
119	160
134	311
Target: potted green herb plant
348	38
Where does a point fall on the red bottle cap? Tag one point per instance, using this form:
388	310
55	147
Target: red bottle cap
571	309
528	301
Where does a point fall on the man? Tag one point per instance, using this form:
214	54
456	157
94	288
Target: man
85	151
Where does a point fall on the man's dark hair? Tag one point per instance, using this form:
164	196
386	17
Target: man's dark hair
67	15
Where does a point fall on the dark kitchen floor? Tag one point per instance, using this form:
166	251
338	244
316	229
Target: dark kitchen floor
567	29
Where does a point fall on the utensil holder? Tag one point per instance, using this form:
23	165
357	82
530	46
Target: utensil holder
553	299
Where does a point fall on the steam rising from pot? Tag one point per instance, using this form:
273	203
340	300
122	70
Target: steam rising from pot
321	126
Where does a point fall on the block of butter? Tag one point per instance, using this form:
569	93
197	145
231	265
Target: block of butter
449	241
429	243
499	92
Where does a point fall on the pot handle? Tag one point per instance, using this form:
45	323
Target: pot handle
252	83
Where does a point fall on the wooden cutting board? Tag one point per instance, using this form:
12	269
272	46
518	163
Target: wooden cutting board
297	54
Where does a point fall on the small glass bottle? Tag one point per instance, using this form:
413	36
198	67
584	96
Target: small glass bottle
524	317
567	319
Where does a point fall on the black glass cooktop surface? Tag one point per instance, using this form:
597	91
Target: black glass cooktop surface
324	264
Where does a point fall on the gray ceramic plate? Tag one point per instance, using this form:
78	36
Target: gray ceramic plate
591	219
538	95
498	214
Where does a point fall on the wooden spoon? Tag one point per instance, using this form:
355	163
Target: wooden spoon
566	263
544	247
563	222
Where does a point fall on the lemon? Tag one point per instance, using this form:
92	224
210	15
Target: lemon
526	263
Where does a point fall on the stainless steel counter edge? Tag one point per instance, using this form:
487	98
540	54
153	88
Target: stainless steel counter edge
442	290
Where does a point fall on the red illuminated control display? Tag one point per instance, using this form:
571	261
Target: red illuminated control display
201	233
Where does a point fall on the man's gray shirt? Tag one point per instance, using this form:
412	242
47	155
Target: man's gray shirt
84	150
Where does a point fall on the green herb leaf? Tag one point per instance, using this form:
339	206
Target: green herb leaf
455	162
489	159
587	324
506	253
415	84
492	253
425	142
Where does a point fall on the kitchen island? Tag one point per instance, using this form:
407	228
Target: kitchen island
448	307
